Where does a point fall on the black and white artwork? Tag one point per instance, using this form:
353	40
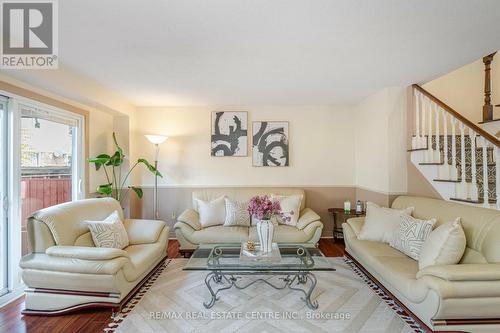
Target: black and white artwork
270	143
229	133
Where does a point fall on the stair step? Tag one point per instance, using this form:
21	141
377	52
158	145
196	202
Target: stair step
416	149
479	201
491	182
431	163
447	180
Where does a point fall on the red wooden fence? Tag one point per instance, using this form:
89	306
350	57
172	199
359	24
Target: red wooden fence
38	193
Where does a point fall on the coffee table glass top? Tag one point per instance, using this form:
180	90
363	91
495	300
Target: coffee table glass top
226	257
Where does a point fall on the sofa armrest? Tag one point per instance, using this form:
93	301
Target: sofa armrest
307	216
463	272
143	231
86	252
45	262
191	218
356	224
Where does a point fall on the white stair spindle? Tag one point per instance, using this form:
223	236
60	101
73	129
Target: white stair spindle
454	171
462	187
416	142
430	152
497	176
438	148
473	185
444	170
423	103
485	173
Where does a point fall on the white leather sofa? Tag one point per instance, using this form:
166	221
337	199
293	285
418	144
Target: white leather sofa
66	272
462	297
190	233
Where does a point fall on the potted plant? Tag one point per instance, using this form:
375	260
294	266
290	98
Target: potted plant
263	209
116	182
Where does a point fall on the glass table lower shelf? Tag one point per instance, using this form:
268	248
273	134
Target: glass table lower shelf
225	269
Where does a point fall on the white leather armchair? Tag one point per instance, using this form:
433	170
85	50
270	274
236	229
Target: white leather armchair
66	272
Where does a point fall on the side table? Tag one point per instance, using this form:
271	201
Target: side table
339	217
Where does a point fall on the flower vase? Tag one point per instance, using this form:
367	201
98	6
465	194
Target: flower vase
265	231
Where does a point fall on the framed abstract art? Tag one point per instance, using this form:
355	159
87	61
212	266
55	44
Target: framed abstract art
229	135
270	145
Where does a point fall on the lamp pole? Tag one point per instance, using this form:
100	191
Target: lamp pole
156	213
156	140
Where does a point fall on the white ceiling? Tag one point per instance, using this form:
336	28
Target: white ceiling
273	52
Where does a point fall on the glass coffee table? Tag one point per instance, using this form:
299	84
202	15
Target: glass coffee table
224	267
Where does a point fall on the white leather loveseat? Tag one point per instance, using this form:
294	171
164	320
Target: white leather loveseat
190	233
462	297
66	272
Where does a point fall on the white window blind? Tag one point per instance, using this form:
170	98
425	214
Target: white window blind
35	112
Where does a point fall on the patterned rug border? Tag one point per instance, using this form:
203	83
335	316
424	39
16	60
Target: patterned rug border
130	305
115	321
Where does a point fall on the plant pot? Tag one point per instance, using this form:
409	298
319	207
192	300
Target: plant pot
265	231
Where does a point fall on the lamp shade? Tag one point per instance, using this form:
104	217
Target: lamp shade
156	139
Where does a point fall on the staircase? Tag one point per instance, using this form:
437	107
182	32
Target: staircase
456	156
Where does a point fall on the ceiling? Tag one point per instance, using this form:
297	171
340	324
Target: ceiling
270	52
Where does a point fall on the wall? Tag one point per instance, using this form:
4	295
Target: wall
463	89
321	148
380	143
321	157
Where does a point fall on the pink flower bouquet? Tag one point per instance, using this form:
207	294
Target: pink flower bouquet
263	208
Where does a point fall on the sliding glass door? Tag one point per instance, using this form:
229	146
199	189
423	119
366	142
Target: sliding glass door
41	164
3	197
50	172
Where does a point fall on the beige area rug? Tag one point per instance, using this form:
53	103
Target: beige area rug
172	302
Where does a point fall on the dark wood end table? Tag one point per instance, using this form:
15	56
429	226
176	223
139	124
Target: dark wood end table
339	217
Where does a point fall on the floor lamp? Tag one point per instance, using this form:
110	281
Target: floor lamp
157	140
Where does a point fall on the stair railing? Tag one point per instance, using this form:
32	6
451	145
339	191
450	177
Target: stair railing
427	107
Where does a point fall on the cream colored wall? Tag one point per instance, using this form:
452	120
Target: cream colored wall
463	89
321	147
100	142
380	142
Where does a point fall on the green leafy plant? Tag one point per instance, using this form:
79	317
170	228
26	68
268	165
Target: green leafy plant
111	164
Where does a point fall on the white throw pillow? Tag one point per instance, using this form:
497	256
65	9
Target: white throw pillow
445	245
109	233
212	213
381	222
236	213
290	207
411	235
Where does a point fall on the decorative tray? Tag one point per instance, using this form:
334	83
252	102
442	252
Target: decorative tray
257	255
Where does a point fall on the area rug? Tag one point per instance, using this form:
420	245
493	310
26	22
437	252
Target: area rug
171	301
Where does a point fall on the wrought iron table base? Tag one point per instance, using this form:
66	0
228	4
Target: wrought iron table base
231	278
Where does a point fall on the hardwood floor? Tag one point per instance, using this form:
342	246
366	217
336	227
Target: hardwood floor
12	321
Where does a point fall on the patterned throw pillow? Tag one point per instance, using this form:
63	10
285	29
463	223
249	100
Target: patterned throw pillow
236	213
411	235
109	233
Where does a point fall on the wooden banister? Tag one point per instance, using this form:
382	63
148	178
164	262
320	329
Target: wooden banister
458	116
487	107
